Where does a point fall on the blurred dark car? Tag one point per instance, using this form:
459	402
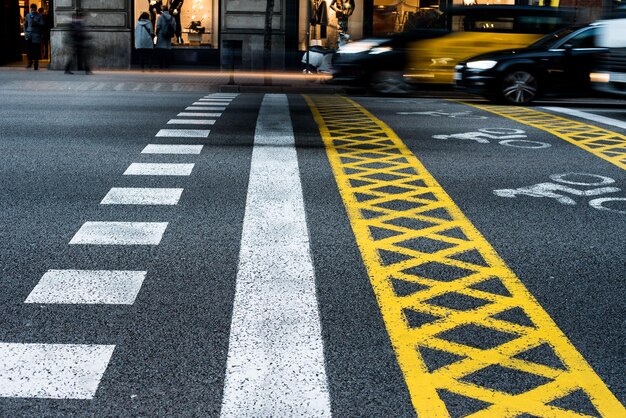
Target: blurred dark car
378	62
427	51
557	64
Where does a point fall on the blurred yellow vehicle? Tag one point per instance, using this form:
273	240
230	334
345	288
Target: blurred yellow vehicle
428	54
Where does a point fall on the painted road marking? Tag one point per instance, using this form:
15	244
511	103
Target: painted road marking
275	361
172	149
142	196
216	99
56	371
88	287
199	114
589	116
563	183
184	133
159	169
213	108
461	323
210	103
191	121
120	233
608	145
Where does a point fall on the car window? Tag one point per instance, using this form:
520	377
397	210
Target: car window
549	40
586	39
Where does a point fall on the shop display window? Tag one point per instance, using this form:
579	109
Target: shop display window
330	22
197	20
393	16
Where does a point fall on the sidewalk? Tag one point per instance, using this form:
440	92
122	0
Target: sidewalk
16	78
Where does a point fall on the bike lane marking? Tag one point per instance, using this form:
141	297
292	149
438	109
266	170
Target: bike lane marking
467	323
608	145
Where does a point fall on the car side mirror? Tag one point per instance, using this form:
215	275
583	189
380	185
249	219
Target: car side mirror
568	48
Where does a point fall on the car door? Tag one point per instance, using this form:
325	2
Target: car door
574	59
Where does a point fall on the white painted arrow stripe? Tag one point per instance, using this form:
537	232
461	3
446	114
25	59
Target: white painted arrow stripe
56	371
104	287
275	363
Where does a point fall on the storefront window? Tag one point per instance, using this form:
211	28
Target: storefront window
330	22
393	16
196	20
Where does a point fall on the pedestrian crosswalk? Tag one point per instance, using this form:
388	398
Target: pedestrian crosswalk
74	371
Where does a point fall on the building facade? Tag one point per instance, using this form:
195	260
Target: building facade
218	33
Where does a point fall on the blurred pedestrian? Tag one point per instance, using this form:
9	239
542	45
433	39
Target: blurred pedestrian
78	45
166	28
33	25
144	40
45	34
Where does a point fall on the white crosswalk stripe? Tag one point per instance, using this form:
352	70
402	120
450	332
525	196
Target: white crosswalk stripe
199	114
120	233
159	169
56	371
209	108
142	196
183	133
172	149
88	287
191	122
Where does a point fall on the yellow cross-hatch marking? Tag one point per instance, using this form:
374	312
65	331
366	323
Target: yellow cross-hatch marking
603	143
457	316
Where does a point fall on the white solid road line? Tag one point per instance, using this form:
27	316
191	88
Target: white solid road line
191	121
120	233
589	116
199	114
88	287
172	149
142	196
56	371
159	169
275	365
183	133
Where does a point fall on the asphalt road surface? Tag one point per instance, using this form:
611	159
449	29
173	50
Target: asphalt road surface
197	253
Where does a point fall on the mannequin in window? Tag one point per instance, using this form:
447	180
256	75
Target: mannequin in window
175	8
154	7
343	9
319	16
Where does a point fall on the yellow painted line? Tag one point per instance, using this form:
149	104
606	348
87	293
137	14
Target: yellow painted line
464	303
608	145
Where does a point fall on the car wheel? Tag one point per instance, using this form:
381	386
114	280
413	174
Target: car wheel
519	87
389	82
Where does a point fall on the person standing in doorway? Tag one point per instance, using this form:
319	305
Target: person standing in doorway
144	40
45	34
78	45
166	28
33	25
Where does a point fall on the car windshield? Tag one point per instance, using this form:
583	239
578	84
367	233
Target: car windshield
548	41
